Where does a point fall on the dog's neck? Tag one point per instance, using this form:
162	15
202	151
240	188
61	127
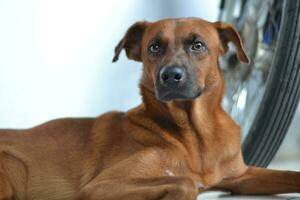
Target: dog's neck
191	126
179	117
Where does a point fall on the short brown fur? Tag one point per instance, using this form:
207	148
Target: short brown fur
158	150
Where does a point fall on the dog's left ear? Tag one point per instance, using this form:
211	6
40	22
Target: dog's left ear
227	33
131	42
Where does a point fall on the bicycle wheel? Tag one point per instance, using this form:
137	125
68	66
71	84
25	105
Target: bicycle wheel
263	97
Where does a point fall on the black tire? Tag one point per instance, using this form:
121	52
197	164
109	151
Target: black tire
281	95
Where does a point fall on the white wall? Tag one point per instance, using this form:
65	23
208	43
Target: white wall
55	56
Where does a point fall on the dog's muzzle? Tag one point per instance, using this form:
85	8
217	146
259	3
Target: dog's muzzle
176	83
172	77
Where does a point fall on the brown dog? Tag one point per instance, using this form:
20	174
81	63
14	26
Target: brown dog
176	144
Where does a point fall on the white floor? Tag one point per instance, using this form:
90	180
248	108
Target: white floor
225	196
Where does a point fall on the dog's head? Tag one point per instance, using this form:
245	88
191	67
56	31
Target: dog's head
180	56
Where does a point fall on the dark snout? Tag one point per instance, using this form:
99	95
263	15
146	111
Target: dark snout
172	77
176	82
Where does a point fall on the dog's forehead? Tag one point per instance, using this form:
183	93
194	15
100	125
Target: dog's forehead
181	28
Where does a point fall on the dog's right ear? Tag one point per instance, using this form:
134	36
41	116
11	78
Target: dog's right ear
131	42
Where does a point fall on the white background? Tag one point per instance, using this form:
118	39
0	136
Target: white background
55	56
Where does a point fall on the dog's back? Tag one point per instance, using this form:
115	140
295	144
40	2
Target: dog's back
45	160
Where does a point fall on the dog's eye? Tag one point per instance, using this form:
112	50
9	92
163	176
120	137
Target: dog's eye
155	47
197	46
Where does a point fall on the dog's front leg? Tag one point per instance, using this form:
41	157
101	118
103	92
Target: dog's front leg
161	188
262	181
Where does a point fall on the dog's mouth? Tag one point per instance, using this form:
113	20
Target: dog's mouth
166	95
176	83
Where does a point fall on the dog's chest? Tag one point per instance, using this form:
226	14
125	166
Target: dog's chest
205	167
202	178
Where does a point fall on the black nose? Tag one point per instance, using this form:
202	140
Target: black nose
172	75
